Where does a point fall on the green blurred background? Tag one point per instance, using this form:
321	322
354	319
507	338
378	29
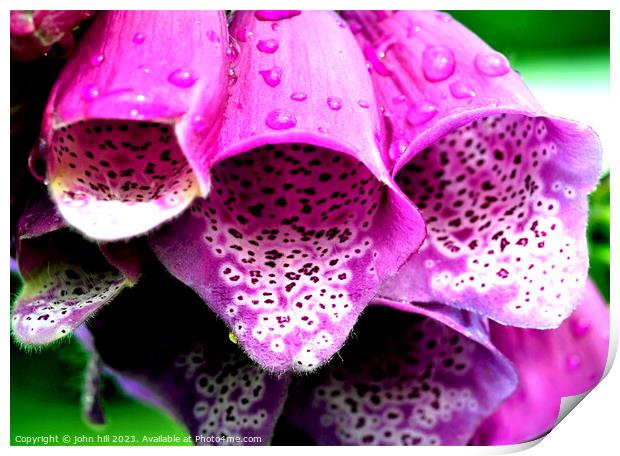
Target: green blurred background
564	58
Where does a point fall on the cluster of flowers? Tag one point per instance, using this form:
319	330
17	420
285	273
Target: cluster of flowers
361	225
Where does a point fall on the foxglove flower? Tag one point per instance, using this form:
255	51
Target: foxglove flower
502	185
130	122
292	173
33	33
303	222
66	278
438	377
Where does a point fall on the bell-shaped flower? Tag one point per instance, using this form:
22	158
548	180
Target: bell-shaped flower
502	185
66	278
303	222
131	119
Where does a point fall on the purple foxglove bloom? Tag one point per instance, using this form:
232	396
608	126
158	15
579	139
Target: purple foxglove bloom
405	380
33	33
501	184
303	222
180	360
132	118
66	279
551	364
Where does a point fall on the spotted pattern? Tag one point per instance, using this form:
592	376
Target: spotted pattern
231	394
58	298
286	250
99	167
179	357
406	380
504	224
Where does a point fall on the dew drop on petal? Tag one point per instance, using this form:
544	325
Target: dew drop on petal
444	17
138	38
399	99
280	119
268	46
438	63
97	60
299	96
461	90
363	104
89	92
492	65
183	78
334	103
322	130
573	362
275	15
275	26
273	76
421	112
199	124
233	51
397	148
580	327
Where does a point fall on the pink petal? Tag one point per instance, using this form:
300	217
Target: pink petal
405	380
303	222
502	186
552	364
33	33
131	118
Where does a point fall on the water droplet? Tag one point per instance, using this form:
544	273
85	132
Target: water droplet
145	69
573	362
233	51
443	17
275	26
97	60
580	327
399	99
140	98
232	75
438	63
334	103
134	113
89	92
268	46
183	78
493	64
272	77
421	112
374	58
244	35
138	38
461	90
199	124
275	15
340	24
397	149
299	96
322	130
363	104
280	119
